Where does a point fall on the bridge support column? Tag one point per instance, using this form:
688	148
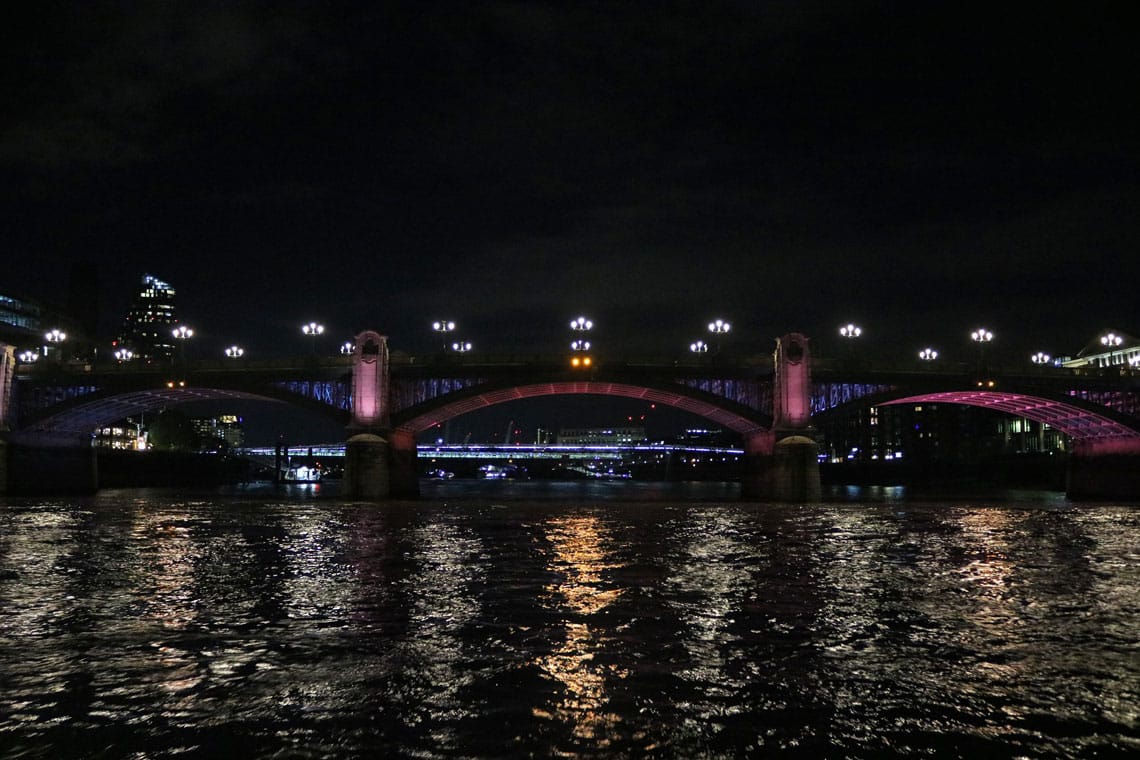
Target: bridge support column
374	461
1104	469
782	465
366	472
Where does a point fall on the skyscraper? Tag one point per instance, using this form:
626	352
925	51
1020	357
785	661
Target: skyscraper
148	326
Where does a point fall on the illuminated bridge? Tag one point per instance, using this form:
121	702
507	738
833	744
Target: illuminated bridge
397	396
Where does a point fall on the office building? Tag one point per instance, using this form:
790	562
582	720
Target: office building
147	330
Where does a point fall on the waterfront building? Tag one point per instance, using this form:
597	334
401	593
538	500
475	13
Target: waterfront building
222	432
149	323
1109	349
932	436
125	435
601	436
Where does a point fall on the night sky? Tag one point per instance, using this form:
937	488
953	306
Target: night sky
918	168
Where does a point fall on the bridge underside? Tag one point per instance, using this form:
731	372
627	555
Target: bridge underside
87	416
1073	420
744	421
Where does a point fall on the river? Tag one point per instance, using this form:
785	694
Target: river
567	620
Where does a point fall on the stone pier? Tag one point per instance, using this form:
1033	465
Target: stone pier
782	465
376	460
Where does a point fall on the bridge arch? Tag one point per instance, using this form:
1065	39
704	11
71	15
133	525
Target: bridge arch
736	417
81	415
1081	420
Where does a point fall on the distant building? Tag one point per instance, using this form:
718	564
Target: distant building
148	327
703	437
127	434
24	322
601	436
21	320
21	314
926	434
224	431
1111	349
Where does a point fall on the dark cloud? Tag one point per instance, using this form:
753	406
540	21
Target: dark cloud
785	165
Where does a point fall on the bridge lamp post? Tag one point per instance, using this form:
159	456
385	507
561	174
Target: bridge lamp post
55	336
981	336
461	347
580	345
347	348
1040	358
1111	341
28	357
928	354
235	352
313	329
699	347
182	333
581	324
123	355
443	327
849	332
719	328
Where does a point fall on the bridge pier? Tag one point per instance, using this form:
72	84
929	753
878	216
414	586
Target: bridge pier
1104	469
379	463
782	465
366	470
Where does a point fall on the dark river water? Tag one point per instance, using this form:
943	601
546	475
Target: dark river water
582	620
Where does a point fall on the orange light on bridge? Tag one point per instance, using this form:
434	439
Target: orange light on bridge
579	362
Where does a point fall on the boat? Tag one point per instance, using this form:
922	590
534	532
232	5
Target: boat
300	473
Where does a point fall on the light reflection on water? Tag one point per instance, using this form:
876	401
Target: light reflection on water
567	623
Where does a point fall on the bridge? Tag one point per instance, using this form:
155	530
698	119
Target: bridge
384	399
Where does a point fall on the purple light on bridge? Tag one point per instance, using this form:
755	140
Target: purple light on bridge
1074	421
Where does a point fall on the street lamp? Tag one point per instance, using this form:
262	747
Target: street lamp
928	354
182	333
124	355
1111	341
1040	358
54	336
581	324
235	352
981	336
461	347
347	348
719	327
313	329
699	347
28	357
580	345
443	327
850	331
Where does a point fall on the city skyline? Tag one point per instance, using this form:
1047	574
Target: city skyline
787	167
